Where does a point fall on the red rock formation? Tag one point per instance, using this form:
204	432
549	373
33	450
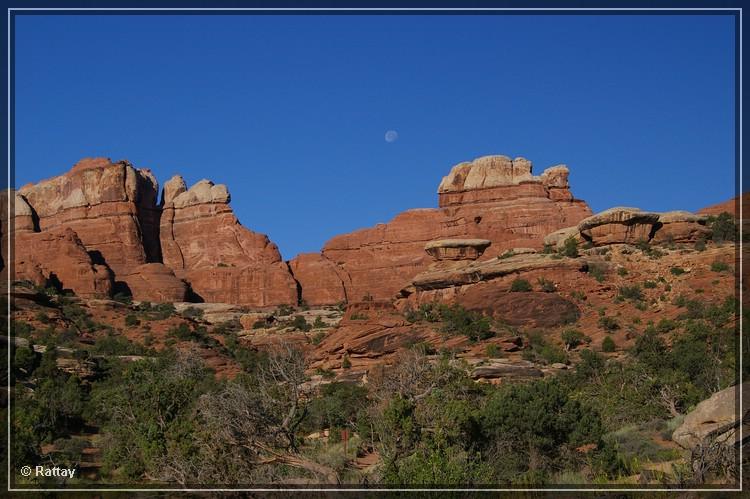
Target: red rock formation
155	282
321	281
111	206
731	206
202	240
492	198
58	257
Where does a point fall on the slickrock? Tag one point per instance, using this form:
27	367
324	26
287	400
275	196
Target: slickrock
205	244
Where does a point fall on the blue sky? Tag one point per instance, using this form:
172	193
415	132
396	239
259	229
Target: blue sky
291	111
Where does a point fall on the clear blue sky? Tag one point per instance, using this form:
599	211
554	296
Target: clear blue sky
291	111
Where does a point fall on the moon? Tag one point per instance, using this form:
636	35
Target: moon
391	136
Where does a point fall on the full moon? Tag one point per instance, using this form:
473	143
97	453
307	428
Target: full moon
391	136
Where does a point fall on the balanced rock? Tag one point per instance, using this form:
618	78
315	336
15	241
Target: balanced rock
457	249
618	225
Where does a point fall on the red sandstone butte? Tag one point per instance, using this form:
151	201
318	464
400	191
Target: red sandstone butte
111	206
493	198
205	244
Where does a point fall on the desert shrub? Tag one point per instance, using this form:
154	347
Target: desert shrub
345	362
632	293
649	284
520	285
573	337
318	323
546	285
609	324
608	344
21	329
596	271
700	245
666	325
123	298
300	323
284	310
131	320
622	271
317	337
570	248
259	324
507	254
42	317
723	227
459	321
578	295
548	249
552	354
192	313
359	316
676	270
719	266
493	351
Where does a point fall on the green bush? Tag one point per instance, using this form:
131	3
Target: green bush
546	285
632	293
131	320
300	323
570	248
573	337
493	351
520	285
649	284
676	270
608	344
723	227
192	313
719	266
622	271
596	271
284	310
459	321
318	323
345	362
609	324
700	245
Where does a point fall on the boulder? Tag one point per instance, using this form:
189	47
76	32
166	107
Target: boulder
506	369
715	418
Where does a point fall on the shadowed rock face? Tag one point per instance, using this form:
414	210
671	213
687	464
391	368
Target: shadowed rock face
457	249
